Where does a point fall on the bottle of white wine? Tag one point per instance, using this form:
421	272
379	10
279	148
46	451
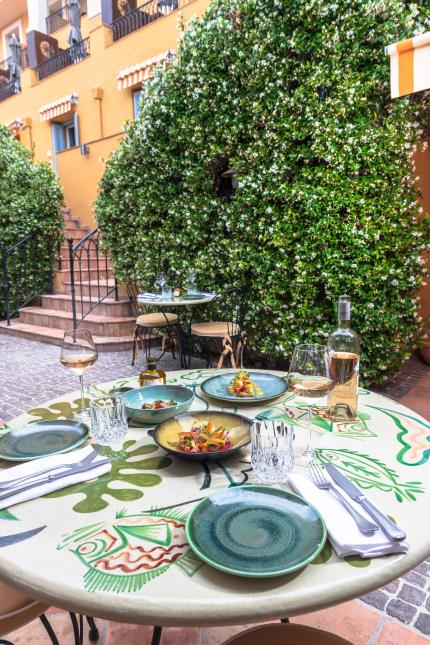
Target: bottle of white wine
344	349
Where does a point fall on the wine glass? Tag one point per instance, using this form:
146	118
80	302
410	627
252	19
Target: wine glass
192	281
161	279
78	353
311	379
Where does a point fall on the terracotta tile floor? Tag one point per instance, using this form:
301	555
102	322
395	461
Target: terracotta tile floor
361	623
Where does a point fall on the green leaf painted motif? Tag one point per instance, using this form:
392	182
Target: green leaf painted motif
5	514
369	472
58	410
95	491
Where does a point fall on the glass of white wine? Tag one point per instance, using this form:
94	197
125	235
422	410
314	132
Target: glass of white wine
311	379
78	353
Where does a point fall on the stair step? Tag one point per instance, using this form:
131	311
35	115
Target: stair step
90	287
97	324
109	306
85	274
55	336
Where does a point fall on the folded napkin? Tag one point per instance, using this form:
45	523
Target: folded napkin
343	532
37	465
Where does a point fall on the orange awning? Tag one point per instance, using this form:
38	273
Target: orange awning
142	71
60	106
409	65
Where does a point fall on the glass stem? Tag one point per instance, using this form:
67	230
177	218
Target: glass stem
309	452
81	381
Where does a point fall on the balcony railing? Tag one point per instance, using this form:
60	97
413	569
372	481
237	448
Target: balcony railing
24	60
7	90
60	18
74	54
143	15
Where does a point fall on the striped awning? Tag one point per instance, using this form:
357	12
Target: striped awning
58	107
142	71
409	65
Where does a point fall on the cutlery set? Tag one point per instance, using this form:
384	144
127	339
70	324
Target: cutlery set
353	492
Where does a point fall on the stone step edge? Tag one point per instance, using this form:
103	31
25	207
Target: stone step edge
55	336
93	318
68	296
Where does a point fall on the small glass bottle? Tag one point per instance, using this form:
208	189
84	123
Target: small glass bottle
152	375
344	347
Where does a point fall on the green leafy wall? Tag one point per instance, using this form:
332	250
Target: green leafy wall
295	96
30	198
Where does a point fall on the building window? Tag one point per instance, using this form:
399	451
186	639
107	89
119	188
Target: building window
14	28
69	135
136	102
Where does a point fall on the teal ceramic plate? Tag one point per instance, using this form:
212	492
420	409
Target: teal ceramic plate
134	399
42	439
270	385
255	531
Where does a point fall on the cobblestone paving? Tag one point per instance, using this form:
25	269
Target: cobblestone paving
30	374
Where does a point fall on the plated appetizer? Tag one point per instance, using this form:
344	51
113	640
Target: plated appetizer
206	437
158	405
242	385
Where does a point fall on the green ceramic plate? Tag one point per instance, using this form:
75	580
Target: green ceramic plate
167	434
42	439
271	386
255	531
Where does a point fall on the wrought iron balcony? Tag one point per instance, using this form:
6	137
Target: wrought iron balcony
143	15
4	65
60	18
8	89
64	58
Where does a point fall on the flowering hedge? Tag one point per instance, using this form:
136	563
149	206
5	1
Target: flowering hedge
30	198
295	97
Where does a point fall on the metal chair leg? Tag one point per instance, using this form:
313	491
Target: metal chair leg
134	346
285	620
75	625
156	635
47	625
94	633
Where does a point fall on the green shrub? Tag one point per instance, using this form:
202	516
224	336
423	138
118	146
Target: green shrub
30	198
295	96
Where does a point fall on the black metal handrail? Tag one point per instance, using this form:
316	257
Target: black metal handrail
89	272
74	54
22	280
8	89
60	18
143	15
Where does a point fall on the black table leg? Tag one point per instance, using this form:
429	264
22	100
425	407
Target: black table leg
156	635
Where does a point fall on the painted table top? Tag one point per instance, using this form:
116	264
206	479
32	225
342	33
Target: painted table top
116	548
178	301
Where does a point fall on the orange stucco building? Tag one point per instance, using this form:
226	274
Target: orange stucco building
72	106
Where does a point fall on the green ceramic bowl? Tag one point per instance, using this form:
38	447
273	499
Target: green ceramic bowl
255	531
136	398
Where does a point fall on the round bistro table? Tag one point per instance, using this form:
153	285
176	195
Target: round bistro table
115	547
187	304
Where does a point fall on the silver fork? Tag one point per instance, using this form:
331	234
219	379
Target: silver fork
320	480
11	483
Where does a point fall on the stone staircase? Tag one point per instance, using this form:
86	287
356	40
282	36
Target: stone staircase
111	323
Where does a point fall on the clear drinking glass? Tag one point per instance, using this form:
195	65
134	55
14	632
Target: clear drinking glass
78	353
161	279
108	419
191	282
272	451
311	379
166	292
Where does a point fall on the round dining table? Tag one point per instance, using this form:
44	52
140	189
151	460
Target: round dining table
115	547
186	303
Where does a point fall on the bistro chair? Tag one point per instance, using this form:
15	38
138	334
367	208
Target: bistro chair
227	335
146	323
17	610
282	634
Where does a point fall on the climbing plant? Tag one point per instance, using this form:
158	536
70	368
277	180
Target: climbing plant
292	100
30	198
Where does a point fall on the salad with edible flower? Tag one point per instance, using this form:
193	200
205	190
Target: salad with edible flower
205	437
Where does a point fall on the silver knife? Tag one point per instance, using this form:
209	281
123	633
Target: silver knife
53	478
389	528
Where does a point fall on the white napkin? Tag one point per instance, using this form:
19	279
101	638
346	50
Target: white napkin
343	532
146	295
37	465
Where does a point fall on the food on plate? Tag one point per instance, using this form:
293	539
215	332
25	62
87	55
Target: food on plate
205	437
158	405
242	385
